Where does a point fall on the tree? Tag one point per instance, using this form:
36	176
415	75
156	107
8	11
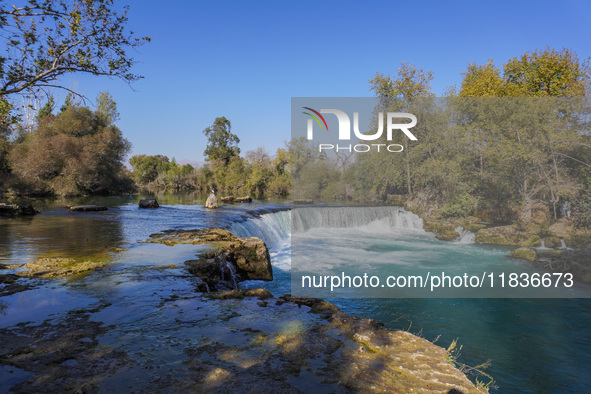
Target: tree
45	39
410	84
72	153
222	145
147	168
482	81
46	110
550	73
547	73
106	107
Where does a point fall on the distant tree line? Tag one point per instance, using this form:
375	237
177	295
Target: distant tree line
489	149
225	171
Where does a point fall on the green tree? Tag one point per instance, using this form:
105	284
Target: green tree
46	110
545	73
410	84
222	145
550	73
47	39
73	153
106	108
145	169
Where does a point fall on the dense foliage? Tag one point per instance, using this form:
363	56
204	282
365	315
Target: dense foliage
495	156
78	151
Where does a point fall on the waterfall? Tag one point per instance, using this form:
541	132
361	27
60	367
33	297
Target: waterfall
275	228
466	236
346	217
272	228
543	242
232	271
562	244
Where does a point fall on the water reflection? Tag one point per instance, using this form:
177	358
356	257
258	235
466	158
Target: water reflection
55	234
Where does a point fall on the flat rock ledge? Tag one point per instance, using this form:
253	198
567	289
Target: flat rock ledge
382	360
315	348
229	259
12	210
339	352
86	208
55	267
232	199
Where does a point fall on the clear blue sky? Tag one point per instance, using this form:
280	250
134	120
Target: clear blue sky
246	59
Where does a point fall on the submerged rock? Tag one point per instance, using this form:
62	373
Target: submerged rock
149	203
243	199
528	254
212	201
327	351
56	267
87	208
17	210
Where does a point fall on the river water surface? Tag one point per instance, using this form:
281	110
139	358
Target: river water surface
535	345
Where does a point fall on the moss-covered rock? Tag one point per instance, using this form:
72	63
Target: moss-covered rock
54	267
505	235
437	227
448	235
528	254
474	227
552	242
550	253
249	255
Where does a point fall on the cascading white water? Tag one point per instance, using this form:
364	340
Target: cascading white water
272	228
232	271
466	236
348	217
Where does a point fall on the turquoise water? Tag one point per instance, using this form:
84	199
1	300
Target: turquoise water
535	345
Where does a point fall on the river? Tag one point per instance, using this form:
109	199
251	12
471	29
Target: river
535	345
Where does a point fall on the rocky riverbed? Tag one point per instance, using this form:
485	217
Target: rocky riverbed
158	329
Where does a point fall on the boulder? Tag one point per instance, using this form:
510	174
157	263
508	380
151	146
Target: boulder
448	235
212	202
228	199
87	208
230	256
17	210
149	203
251	257
209	270
243	199
552	242
528	254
